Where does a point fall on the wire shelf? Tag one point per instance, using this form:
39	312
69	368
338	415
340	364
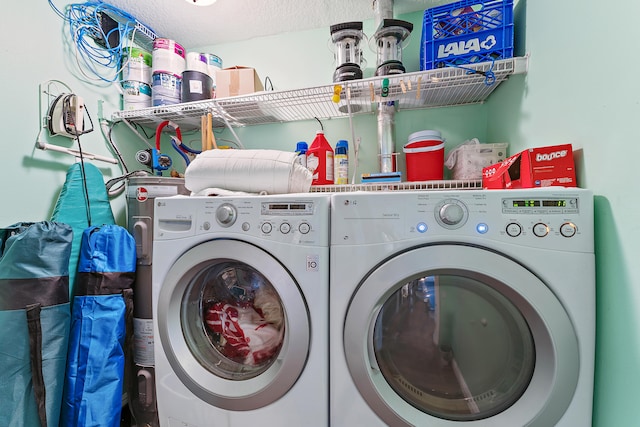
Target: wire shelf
423	89
400	186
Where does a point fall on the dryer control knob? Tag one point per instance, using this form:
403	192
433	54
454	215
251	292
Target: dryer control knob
451	213
513	229
304	228
541	229
226	215
568	229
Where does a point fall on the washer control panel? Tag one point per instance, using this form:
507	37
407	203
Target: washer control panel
296	219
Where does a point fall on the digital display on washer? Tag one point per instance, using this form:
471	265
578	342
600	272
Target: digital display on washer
280	208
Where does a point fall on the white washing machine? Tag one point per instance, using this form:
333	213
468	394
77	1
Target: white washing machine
240	296
462	308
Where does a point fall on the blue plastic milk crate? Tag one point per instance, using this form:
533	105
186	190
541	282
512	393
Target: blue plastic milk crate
467	32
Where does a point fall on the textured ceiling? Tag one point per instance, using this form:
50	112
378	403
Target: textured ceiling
229	21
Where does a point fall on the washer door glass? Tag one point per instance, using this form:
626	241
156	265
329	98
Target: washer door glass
454	333
233	320
454	347
233	324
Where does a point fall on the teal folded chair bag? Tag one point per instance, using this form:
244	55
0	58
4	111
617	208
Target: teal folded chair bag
101	330
34	322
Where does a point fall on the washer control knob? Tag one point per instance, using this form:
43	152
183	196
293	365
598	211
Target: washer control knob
226	214
541	229
513	229
206	226
451	213
568	229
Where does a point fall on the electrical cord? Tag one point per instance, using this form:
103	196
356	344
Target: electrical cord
113	181
135	131
84	179
72	121
94	52
107	134
268	84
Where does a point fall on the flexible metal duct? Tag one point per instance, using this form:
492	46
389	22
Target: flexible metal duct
383	9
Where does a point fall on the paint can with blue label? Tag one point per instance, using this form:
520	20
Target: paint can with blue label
166	89
135	95
214	65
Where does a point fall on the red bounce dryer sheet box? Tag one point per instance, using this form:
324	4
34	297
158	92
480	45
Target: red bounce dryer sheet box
534	167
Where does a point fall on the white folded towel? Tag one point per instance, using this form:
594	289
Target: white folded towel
252	171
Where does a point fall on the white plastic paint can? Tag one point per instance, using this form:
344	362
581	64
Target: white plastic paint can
136	65
168	57
197	61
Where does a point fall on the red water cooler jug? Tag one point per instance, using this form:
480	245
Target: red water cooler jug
320	160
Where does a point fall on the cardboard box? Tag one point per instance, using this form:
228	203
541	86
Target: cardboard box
536	167
237	80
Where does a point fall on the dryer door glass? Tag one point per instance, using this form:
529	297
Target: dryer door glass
233	320
454	347
461	333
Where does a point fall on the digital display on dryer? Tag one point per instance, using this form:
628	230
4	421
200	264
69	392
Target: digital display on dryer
540	206
537	203
554	203
526	203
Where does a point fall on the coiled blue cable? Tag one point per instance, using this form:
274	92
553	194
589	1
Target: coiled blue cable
84	21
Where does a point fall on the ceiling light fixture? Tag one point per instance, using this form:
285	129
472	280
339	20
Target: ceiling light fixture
201	2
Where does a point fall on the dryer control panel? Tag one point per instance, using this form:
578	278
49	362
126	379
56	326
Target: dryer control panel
554	218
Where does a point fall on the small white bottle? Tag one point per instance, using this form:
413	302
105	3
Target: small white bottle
341	162
301	149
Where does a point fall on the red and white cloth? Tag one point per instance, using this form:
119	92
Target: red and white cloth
248	337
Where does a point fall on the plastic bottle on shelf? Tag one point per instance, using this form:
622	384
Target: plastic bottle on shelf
320	160
301	149
341	162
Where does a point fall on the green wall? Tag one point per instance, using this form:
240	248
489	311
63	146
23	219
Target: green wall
581	88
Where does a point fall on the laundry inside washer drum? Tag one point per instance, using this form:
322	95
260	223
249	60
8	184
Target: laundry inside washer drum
233	320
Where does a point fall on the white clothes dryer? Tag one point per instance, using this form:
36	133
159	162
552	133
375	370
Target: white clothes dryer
468	308
240	296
